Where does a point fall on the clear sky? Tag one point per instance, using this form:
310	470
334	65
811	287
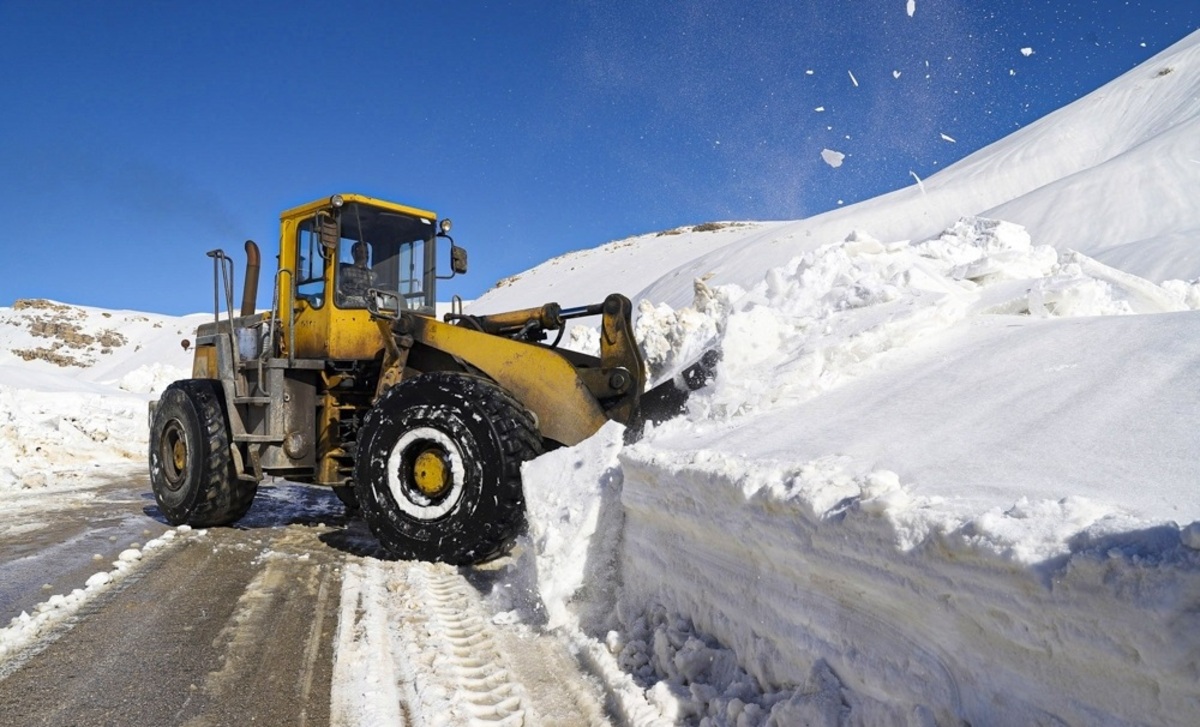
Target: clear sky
136	136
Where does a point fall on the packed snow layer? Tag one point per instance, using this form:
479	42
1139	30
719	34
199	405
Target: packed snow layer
948	628
936	481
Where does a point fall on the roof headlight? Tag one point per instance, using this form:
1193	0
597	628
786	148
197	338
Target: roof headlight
336	200
444	225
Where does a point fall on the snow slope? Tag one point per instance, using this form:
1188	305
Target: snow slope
946	473
74	383
947	470
1113	175
951	480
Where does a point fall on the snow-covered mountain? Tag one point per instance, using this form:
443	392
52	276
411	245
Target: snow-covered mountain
74	382
946	473
1113	175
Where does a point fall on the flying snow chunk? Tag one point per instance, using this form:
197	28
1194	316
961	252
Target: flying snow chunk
1027	52
911	7
819	109
895	74
949	139
832	158
853	79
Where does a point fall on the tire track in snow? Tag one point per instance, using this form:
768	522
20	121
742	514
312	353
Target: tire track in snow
259	632
370	685
487	688
416	645
414	648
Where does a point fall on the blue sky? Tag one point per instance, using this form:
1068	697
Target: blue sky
137	136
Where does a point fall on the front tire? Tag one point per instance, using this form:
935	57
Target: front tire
191	468
438	470
348	497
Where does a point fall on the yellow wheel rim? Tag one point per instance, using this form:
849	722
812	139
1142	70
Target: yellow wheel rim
179	454
430	473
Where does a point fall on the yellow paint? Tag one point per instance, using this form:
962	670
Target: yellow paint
429	472
305	211
544	382
204	363
326	332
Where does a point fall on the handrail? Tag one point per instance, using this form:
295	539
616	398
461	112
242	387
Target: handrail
223	273
277	311
221	264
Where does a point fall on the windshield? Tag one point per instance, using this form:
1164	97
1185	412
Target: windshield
384	250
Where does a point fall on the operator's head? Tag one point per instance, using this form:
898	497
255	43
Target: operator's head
359	251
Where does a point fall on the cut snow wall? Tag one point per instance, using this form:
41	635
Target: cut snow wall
788	568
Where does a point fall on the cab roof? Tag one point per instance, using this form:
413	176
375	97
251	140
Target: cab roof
305	210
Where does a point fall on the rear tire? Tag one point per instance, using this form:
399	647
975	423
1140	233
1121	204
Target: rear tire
191	468
438	471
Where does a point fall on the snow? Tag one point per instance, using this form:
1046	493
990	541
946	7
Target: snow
991	376
946	472
832	158
74	387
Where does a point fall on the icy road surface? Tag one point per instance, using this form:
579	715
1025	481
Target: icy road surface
289	618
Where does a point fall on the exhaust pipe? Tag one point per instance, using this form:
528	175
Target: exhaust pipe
250	291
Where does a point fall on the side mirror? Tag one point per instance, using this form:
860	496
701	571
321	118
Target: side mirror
458	259
327	230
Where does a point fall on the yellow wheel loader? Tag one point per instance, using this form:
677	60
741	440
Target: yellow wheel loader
351	381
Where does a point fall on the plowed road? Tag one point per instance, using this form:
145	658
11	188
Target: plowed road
241	625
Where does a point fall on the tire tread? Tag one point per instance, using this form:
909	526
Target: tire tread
518	439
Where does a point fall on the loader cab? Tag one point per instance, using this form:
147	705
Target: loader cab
350	256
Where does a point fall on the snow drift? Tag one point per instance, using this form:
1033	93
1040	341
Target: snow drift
947	469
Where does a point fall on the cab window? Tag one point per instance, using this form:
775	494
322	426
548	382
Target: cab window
310	280
384	250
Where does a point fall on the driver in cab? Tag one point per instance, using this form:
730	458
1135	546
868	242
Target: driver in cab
355	278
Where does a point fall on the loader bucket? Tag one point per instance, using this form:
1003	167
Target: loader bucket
669	399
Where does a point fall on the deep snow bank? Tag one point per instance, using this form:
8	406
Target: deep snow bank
942	481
